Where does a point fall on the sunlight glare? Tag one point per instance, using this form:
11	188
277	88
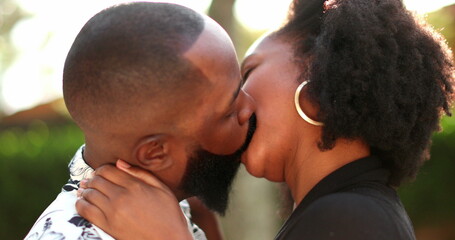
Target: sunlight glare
261	15
42	42
426	6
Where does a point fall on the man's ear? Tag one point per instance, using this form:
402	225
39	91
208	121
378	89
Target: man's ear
152	153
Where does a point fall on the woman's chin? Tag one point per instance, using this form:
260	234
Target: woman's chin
259	169
250	165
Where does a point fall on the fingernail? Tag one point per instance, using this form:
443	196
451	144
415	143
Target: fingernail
79	192
122	164
83	183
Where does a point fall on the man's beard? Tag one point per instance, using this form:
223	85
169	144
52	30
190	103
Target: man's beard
209	176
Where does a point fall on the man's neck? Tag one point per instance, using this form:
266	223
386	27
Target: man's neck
95	158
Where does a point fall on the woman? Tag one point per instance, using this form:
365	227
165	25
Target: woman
348	94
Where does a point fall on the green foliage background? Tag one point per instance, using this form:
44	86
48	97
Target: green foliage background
430	200
33	159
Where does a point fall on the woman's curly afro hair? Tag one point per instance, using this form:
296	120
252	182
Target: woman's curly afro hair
377	72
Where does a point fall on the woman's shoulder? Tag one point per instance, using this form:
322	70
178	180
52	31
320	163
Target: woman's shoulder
350	205
350	215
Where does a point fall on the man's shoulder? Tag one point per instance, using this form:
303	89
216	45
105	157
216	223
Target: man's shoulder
57	225
61	221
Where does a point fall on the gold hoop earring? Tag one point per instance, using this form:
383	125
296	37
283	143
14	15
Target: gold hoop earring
299	109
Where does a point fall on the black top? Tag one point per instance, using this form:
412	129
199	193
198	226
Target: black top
354	202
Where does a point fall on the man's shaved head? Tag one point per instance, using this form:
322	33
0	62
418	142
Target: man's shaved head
158	85
128	57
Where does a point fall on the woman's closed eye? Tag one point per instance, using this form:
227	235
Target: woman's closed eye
246	75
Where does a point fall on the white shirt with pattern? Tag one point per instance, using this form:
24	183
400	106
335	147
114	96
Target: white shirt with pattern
60	221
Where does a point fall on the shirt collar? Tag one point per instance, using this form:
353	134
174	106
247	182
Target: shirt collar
78	170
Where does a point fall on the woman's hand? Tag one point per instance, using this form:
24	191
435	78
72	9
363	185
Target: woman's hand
131	204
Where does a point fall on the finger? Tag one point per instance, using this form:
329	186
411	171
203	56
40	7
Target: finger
104	186
96	198
91	213
143	175
83	183
115	175
79	191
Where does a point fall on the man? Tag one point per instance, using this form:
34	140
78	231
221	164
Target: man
157	85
